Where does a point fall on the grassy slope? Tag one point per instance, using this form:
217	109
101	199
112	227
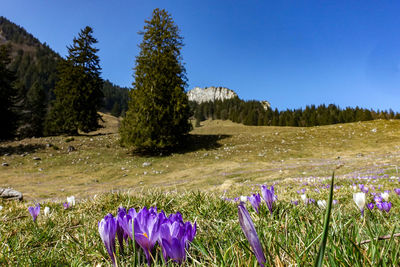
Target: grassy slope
224	156
246	156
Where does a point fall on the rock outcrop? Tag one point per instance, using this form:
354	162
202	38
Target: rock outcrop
10	194
212	93
266	105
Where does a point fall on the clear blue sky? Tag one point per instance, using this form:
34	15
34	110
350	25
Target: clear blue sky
291	53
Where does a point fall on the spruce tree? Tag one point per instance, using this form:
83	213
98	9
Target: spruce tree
158	112
36	107
78	91
8	94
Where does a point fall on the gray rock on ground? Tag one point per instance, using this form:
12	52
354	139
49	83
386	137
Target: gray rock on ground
10	194
70	149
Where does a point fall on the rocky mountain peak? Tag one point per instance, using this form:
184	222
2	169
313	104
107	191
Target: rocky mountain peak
212	93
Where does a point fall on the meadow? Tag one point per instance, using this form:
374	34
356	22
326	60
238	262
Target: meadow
203	181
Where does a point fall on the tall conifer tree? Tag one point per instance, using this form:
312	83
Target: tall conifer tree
78	90
158	112
8	116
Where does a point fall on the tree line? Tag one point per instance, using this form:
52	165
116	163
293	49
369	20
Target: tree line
35	67
253	113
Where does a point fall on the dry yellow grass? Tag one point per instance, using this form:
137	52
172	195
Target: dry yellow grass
226	156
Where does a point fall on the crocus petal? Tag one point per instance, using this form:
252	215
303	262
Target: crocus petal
175	249
250	232
107	231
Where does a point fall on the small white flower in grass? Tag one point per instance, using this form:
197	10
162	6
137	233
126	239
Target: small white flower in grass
1	207
243	198
46	211
360	200
385	196
321	203
304	198
71	200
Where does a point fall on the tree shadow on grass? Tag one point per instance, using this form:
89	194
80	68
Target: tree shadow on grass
195	142
190	143
21	149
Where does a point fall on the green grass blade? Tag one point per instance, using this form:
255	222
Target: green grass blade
320	257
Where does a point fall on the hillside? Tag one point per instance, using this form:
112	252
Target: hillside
35	65
232	153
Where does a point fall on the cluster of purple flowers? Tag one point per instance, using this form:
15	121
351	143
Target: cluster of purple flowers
268	195
380	204
149	227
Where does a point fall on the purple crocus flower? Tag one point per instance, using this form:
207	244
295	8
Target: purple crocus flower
370	206
66	205
174	217
295	202
125	221
121	234
190	232
147	227
378	199
107	230
250	232
268	196
173	230
172	240
255	201
34	211
397	191
386	206
311	201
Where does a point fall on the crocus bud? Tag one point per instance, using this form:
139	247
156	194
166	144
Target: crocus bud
249	231
71	200
321	203
385	196
304	198
34	211
243	198
46	211
107	231
359	199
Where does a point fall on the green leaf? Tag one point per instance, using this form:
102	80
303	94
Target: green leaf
320	257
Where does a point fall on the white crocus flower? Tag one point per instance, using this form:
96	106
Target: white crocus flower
304	198
321	203
360	200
385	196
243	198
1	207
71	200
46	211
